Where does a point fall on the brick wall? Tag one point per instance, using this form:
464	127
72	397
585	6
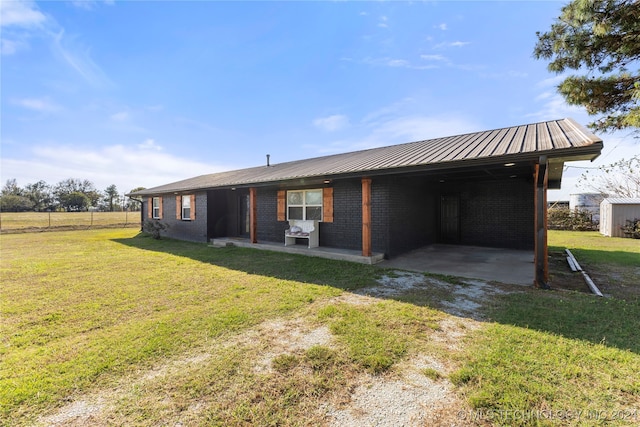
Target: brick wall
269	228
195	230
498	214
346	229
405	214
412	215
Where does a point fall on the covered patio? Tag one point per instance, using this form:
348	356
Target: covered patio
472	262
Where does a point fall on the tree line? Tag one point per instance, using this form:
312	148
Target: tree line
70	195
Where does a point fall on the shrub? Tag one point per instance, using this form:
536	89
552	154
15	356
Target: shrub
567	219
154	227
632	228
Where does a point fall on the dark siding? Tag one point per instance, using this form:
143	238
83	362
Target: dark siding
346	229
412	218
405	214
498	214
196	230
269	228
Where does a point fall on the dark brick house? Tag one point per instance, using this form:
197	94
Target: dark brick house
484	189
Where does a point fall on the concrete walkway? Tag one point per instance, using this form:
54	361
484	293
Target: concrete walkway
491	264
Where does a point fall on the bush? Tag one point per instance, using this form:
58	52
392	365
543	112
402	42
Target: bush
567	219
632	228
154	227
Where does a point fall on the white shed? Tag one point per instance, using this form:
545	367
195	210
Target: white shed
614	213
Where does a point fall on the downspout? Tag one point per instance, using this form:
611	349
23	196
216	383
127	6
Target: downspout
141	211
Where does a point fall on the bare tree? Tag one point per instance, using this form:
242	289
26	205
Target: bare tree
620	179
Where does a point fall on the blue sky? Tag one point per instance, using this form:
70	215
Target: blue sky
145	93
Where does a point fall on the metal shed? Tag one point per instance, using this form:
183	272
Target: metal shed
614	212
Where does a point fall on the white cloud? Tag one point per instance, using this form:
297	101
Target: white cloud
42	105
121	116
25	16
150	144
332	123
554	107
397	63
551	81
9	47
17	20
451	44
420	127
388	126
382	22
442	26
20	14
79	58
433	58
125	166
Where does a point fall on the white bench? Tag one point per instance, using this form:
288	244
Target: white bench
302	229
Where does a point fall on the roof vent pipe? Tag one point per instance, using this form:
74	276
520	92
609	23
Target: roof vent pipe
268	157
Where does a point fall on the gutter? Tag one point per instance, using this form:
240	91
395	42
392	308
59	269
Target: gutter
141	212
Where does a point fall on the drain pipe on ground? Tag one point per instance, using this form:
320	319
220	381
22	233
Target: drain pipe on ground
573	263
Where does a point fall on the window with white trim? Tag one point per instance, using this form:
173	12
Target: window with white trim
155	214
304	204
186	207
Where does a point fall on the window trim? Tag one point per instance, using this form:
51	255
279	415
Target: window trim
156	203
304	204
186	200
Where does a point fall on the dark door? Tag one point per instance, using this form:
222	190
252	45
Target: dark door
450	218
244	218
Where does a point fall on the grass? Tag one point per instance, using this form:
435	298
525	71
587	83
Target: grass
20	221
612	262
160	329
568	352
77	306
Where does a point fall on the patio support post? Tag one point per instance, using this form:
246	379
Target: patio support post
366	217
253	215
541	255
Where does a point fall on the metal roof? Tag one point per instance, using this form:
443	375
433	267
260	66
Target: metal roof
562	140
622	201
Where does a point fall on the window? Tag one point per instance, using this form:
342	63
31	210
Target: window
304	204
186	207
156	208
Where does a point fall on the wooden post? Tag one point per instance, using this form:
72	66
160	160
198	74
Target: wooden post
366	217
541	254
253	215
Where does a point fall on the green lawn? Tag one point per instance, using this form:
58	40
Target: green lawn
88	312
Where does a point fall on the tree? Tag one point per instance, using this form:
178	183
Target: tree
619	179
601	37
39	194
12	198
111	193
64	189
137	203
75	201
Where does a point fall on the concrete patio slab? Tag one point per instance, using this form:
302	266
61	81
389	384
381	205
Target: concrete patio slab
473	262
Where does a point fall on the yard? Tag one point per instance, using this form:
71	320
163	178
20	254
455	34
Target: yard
108	327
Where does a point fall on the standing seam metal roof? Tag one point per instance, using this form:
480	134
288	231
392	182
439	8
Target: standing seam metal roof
558	138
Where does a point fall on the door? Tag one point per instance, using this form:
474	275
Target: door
450	218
